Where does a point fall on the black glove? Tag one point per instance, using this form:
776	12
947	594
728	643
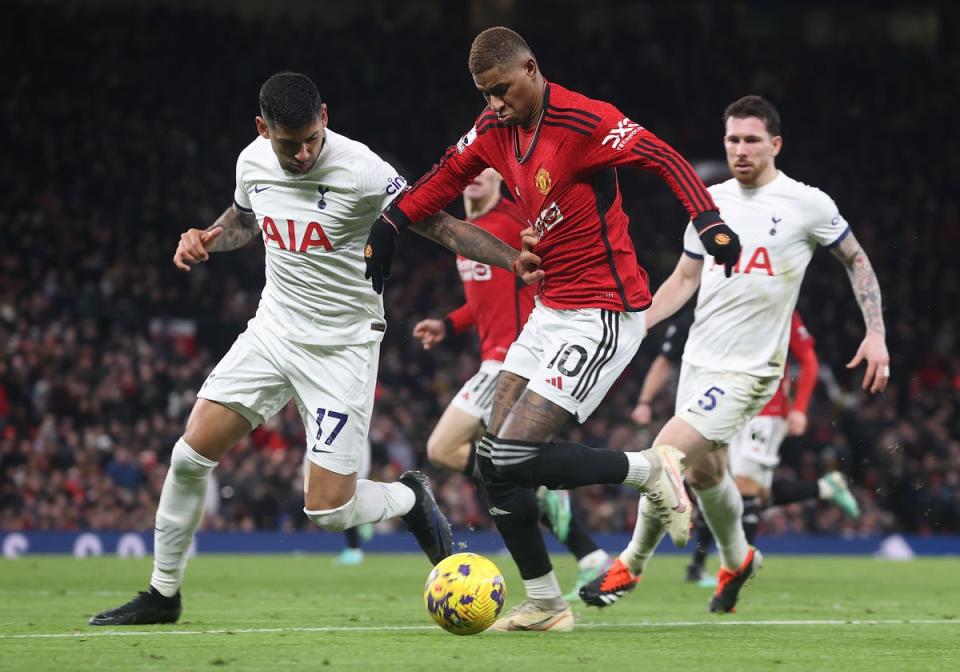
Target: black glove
718	239
378	252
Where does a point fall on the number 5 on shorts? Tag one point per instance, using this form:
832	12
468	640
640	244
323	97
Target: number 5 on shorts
709	401
341	419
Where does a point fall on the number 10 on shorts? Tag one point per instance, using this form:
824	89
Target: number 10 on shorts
341	419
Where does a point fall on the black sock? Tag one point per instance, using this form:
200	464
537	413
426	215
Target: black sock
353	537
559	465
579	541
472	470
515	512
788	492
751	518
704	541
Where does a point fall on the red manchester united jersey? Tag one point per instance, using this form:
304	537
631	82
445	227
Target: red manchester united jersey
566	184
498	302
801	347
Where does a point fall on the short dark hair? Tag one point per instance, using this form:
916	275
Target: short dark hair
290	99
754	106
497	47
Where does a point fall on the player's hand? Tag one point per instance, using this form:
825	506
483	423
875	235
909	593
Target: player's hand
723	244
642	414
430	332
796	423
873	350
527	264
378	252
193	245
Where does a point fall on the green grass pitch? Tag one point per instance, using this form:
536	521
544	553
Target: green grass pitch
303	613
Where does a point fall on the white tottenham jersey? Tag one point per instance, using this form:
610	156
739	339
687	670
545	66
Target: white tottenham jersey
742	323
314	227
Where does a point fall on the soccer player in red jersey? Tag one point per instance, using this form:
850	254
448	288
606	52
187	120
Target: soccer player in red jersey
497	305
558	152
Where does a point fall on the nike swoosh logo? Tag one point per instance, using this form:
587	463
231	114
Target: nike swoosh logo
317	450
257	190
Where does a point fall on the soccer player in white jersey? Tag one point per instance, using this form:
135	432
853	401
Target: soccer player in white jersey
312	195
737	348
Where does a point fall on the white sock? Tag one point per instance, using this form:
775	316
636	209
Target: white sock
647	535
544	590
597	558
380	501
639	469
179	513
722	508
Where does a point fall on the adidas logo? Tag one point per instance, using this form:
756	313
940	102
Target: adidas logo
556	381
496	511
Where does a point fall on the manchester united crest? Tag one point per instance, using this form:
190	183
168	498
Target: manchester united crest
542	180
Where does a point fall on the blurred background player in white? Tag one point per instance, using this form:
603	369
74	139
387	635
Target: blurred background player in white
754	451
735	355
498	305
313	194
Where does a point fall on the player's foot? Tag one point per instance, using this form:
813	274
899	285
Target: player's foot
529	617
555	504
349	557
365	531
149	607
835	487
425	520
587	575
695	573
668	496
610	586
729	583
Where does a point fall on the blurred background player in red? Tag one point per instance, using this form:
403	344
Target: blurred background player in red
755	451
497	305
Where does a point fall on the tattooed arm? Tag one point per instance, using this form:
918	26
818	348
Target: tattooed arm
474	243
873	349
233	229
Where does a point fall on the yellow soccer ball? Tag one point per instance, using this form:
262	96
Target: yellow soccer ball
465	593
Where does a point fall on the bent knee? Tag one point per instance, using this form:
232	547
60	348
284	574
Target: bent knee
334	519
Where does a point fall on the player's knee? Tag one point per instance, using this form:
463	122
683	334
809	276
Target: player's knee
336	519
438	452
187	463
703	476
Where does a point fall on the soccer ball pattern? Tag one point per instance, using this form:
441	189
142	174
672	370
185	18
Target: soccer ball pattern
465	593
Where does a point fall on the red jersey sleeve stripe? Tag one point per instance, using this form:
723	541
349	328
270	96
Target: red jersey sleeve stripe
574	110
682	173
696	192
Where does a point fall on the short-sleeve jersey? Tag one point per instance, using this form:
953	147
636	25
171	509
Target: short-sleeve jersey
566	184
742	323
314	229
497	301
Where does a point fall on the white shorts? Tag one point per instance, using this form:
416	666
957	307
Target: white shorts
718	403
573	357
475	398
754	451
333	388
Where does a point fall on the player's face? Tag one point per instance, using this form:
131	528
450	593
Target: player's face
751	150
512	93
483	185
297	149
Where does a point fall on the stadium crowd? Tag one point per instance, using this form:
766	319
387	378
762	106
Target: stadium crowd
116	142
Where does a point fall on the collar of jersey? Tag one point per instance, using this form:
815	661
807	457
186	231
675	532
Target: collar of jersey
536	134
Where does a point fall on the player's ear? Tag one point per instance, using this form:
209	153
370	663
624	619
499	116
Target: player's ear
777	143
529	66
262	128
324	116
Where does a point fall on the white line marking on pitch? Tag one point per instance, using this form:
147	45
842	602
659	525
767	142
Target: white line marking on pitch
422	628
